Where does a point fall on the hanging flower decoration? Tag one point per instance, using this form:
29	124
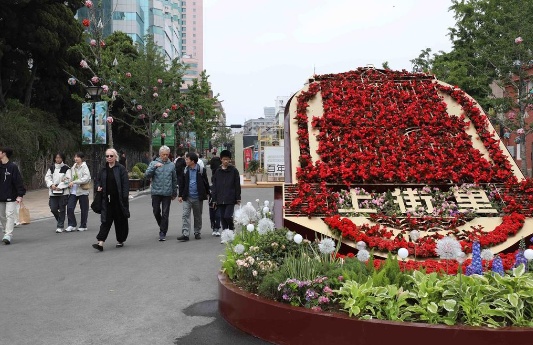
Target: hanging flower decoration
109	119
95	79
165	115
128	75
174	106
520	131
72	81
155	95
518	40
179	124
105	88
86	23
160	81
102	44
93	42
142	116
139	107
511	115
84	64
89	4
154	88
163	135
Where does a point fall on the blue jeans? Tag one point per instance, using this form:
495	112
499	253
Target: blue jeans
84	207
196	205
161	209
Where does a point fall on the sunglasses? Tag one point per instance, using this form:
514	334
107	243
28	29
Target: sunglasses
110	156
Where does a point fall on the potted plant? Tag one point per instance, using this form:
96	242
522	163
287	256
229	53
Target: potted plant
135	176
259	174
142	167
253	166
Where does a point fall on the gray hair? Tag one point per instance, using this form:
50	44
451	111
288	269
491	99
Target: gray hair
164	148
115	153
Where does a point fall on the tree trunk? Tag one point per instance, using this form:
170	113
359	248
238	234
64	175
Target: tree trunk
2	99
29	86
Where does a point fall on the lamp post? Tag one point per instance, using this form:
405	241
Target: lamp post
95	92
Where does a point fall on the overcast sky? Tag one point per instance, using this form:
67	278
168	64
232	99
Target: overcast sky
255	50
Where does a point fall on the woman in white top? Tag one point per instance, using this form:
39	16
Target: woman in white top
80	176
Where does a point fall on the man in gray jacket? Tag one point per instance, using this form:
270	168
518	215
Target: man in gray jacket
164	188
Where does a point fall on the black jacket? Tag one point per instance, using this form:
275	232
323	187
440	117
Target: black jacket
123	186
11	184
201	182
226	189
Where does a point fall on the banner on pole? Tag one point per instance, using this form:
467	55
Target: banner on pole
163	134
100	114
87	118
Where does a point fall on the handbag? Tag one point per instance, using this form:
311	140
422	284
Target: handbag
86	186
96	205
24	214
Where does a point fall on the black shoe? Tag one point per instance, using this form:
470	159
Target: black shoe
119	245
197	236
99	247
162	236
183	238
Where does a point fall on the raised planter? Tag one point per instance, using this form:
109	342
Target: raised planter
286	325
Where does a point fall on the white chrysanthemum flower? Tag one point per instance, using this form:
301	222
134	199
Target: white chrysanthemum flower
360	245
266	210
239	249
227	236
363	255
414	235
250	227
267	202
460	257
326	246
290	235
249	203
447	248
487	255
246	214
298	238
265	225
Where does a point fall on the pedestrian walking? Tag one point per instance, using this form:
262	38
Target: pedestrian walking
123	160
57	179
164	188
114	184
193	190
226	190
79	191
11	192
214	164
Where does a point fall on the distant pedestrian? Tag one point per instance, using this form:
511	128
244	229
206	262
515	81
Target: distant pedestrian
57	179
180	165
146	158
11	192
79	191
114	184
123	160
214	164
164	188
193	190
226	190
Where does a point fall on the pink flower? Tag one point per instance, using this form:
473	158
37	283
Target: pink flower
154	88
139	107
155	94
109	119
95	79
84	64
511	115
179	124
93	42
102	44
160	81
165	115
520	131
168	110
128	75
142	116
340	278
163	135
518	40
115	93
105	88
89	4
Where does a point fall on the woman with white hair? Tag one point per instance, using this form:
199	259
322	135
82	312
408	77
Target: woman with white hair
114	184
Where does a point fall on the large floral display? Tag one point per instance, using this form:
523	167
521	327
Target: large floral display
400	160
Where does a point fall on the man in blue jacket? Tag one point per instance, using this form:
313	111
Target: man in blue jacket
164	188
193	190
11	192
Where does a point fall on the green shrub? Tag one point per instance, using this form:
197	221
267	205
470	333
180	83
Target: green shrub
142	166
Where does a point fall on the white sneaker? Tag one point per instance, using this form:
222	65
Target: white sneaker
16	225
70	228
59	230
217	233
82	229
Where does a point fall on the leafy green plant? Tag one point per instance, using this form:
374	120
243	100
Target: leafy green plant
136	173
142	166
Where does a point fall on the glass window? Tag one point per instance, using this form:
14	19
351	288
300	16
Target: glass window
183	41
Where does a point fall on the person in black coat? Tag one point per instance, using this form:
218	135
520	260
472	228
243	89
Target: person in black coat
226	190
114	184
11	192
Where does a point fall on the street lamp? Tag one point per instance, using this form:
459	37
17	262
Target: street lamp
95	92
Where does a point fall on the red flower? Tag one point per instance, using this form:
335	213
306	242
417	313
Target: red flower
86	23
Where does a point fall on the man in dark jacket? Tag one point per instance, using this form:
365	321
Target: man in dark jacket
192	191
11	192
226	190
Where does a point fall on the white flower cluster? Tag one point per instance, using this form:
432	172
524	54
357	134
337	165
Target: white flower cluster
227	236
239	249
363	255
448	248
265	225
245	215
326	246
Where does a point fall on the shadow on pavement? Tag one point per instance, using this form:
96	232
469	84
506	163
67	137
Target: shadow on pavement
216	332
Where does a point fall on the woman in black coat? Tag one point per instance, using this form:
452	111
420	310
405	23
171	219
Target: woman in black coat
114	184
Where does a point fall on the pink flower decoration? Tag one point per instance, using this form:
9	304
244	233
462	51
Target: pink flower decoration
89	4
179	124
95	79
102	44
84	64
128	75
168	110
160	81
105	88
155	94
72	81
181	145
155	88
139	107
518	40
520	131
109	119
511	115
142	116
163	135
93	42
115	93
165	115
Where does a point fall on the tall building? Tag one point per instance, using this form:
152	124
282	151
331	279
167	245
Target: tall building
192	37
269	113
281	102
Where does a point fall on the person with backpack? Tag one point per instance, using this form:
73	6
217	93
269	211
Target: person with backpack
57	179
193	190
